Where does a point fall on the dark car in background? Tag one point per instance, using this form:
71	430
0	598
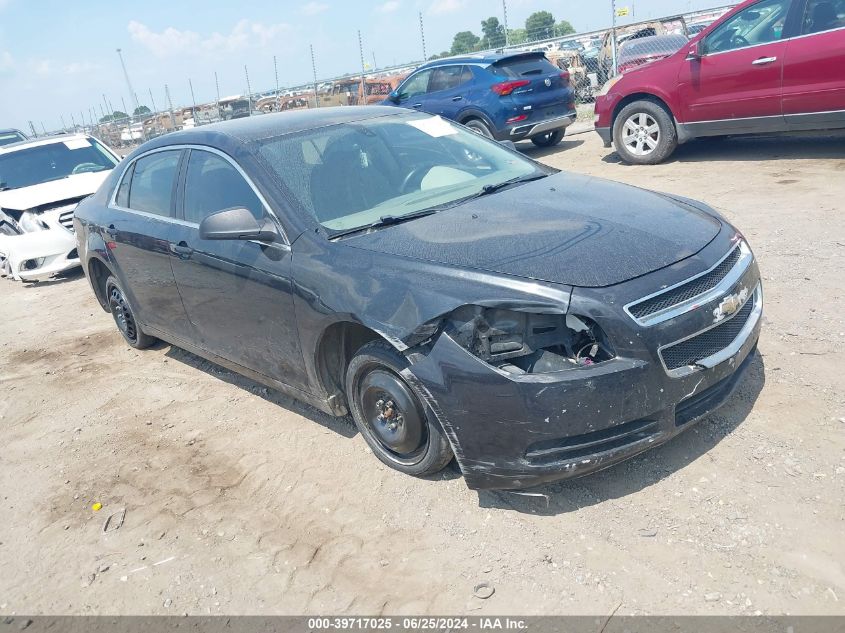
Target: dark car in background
7	137
643	50
766	66
504	96
458	298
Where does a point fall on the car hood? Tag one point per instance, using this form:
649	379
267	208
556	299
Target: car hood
75	186
566	228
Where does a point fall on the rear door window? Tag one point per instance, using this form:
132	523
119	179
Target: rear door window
448	78
153	182
524	67
823	15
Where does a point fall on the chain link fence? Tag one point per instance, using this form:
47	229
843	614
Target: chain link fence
590	58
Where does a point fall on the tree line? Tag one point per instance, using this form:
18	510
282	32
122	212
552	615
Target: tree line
540	25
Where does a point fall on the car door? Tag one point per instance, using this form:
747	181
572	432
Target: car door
138	237
237	293
814	71
449	90
735	83
413	93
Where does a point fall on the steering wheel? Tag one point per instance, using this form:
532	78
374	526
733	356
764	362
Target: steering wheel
740	41
82	168
413	175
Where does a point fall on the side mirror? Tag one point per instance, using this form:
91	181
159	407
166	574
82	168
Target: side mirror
394	96
237	224
694	51
509	144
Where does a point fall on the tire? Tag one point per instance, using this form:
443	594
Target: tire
390	414
644	133
124	316
549	139
479	127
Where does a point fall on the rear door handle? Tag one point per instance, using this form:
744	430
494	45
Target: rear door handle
111	230
417	105
182	250
458	98
763	61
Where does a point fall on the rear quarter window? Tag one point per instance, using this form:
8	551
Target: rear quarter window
523	67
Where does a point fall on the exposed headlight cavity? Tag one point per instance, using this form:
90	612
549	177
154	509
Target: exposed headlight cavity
526	343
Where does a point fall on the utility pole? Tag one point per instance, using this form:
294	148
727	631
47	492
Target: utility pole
193	101
73	122
422	36
106	108
314	70
32	127
43	129
613	39
128	83
505	21
170	106
217	85
375	65
276	72
363	69
248	91
64	126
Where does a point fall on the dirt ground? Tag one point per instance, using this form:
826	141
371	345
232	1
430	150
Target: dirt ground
241	501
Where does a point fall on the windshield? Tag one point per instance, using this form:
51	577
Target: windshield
11	136
352	175
35	165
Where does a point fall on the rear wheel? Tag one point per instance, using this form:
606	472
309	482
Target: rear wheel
644	133
124	317
549	139
479	127
393	419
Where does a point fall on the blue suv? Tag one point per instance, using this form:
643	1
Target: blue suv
511	96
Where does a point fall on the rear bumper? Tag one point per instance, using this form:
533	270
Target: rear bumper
519	132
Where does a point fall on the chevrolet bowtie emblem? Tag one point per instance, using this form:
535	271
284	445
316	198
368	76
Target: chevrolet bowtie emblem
729	305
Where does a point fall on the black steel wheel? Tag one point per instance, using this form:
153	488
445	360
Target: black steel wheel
549	139
391	416
124	317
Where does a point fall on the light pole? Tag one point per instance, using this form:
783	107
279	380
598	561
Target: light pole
128	83
422	36
613	38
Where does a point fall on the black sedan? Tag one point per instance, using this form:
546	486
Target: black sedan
457	298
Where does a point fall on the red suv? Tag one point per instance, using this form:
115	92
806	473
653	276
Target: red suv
765	66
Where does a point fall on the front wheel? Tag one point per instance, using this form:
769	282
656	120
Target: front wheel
644	133
394	421
124	316
549	139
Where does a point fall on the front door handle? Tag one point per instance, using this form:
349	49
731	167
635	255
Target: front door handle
763	61
417	105
182	250
111	230
458	98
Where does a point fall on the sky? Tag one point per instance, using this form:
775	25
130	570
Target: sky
58	58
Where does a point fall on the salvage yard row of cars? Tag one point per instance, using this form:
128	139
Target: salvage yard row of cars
458	299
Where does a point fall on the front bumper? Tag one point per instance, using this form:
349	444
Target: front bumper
40	254
511	432
528	130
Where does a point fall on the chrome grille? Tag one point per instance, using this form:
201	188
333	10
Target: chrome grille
688	290
709	342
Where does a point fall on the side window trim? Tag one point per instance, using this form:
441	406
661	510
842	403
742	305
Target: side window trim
802	17
180	179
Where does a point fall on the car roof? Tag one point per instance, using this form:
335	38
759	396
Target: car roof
255	128
37	142
484	59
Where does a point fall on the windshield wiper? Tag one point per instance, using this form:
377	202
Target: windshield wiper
488	189
387	220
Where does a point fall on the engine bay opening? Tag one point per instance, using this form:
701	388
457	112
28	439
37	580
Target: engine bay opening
526	343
